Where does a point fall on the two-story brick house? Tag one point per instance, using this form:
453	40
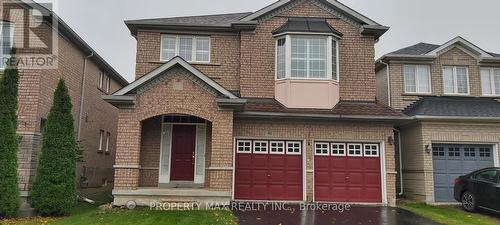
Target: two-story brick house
87	76
451	92
275	105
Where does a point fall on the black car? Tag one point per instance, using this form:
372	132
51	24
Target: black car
479	189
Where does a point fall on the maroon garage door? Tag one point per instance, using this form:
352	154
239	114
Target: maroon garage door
347	172
268	170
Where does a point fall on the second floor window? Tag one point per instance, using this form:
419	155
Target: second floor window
104	82
6	42
307	57
456	80
190	48
417	79
490	81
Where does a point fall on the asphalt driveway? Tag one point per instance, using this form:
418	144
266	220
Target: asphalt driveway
362	215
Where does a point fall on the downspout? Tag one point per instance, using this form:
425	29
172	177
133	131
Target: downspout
388	83
82	94
400	163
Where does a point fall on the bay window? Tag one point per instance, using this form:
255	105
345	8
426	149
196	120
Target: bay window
456	80
417	79
490	81
190	48
307	57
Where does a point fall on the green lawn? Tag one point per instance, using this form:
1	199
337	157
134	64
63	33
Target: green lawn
90	215
451	215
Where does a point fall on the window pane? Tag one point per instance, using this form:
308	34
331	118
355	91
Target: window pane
410	81
202	49
462	82
486	82
423	74
6	43
299	58
186	48
308	58
281	59
496	78
168	45
448	81
334	60
317	58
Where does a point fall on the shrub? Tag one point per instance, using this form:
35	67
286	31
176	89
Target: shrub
54	189
9	193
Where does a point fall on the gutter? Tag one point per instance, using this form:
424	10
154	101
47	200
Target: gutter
466	118
82	93
389	98
400	163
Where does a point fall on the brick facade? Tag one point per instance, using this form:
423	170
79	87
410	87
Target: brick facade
418	176
243	62
417	165
36	89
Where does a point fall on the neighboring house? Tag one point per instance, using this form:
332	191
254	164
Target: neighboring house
451	92
87	77
276	105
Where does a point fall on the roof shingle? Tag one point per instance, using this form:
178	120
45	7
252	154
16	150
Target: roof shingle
219	20
418	49
454	106
346	108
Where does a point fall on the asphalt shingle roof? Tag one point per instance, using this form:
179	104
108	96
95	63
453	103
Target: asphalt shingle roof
350	108
454	106
219	20
418	49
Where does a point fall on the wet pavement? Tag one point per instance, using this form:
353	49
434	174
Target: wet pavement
292	215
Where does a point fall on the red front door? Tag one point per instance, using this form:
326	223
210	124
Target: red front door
183	146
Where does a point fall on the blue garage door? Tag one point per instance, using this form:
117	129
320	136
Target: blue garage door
451	161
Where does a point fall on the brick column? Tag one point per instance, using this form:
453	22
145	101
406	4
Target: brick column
127	163
221	156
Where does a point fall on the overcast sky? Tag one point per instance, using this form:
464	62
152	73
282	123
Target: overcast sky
100	22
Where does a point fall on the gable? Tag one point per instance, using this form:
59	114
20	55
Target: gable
461	43
336	8
149	79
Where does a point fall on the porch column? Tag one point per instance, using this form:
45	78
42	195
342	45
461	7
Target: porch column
220	170
127	163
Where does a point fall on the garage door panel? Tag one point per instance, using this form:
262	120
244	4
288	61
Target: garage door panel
267	172
451	161
347	178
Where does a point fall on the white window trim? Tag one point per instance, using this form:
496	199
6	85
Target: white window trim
108	137
288	58
417	91
277	142
455	83
101	140
339	144
355	155
260	142
321	153
193	51
243	141
374	156
294	153
492	81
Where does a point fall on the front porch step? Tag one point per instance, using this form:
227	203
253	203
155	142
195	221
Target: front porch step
147	197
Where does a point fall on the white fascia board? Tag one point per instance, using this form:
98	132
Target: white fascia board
464	42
